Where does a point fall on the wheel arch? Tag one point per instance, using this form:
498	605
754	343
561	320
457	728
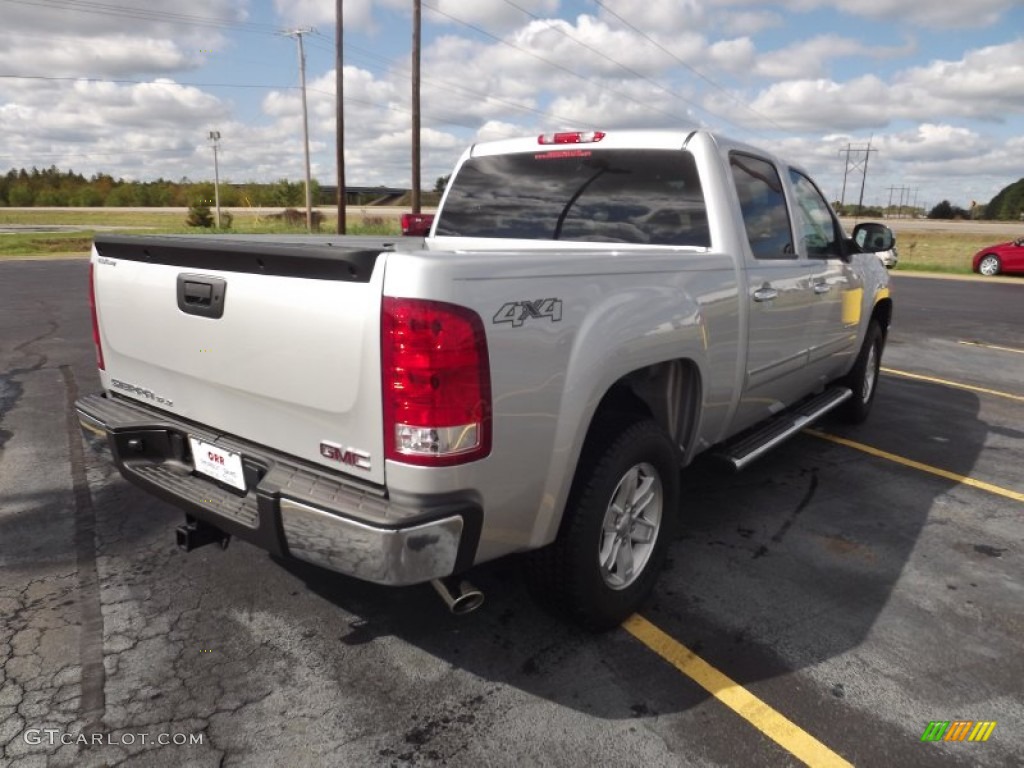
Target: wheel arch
882	313
669	393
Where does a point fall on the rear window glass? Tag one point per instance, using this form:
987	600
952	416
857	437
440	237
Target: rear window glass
651	197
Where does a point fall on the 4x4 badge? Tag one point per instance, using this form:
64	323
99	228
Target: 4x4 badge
518	312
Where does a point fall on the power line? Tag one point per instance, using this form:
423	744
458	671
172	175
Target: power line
554	64
128	81
690	67
400	68
622	66
145	14
352	99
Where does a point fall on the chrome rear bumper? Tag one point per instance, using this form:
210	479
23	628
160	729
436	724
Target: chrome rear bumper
290	507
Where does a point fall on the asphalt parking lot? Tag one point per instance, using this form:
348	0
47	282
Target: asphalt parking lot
822	607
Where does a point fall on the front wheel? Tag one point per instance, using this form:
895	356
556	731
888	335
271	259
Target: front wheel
989	265
863	379
616	527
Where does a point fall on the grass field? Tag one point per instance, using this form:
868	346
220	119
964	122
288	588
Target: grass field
924	246
58	244
944	251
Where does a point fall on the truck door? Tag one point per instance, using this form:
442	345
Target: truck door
779	296
837	289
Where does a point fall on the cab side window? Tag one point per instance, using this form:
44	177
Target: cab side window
763	204
816	227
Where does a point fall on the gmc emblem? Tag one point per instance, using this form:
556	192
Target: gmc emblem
351	456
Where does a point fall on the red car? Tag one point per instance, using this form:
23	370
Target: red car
997	259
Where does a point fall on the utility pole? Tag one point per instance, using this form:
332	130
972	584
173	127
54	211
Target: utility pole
215	138
416	17
297	34
339	95
904	199
864	177
846	171
859	164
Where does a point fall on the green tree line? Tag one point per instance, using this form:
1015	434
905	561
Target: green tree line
52	187
1008	204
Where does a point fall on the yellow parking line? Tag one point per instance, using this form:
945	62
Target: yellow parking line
979	484
955	384
991	346
771	723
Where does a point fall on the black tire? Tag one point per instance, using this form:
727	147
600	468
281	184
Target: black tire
863	379
990	265
569	575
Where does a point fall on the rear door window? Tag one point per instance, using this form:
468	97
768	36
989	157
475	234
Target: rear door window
650	197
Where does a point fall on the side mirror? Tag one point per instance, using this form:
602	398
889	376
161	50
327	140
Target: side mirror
873	238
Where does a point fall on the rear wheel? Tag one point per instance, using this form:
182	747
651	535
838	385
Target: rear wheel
616	527
863	379
990	265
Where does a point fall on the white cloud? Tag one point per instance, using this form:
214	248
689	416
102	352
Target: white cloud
111	41
809	58
745	23
597	107
114	55
737	55
494	130
142	130
987	85
357	14
932	143
951	15
931	120
592	47
494	15
813	105
206	18
665	18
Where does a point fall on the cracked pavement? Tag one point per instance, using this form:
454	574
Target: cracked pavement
860	614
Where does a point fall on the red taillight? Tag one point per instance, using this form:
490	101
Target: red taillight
417	224
95	319
573	137
436	383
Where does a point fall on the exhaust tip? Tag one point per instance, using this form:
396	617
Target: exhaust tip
459	595
467	602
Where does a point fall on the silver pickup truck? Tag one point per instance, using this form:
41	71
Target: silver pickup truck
589	313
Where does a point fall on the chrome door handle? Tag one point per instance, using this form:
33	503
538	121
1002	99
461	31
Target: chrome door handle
822	288
765	293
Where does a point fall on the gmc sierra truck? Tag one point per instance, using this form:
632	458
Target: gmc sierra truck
589	312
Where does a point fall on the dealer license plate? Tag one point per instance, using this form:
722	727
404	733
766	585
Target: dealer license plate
217	463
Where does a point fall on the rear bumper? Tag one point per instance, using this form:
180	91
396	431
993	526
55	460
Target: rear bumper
290	508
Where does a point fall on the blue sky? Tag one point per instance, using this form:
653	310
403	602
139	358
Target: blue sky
937	88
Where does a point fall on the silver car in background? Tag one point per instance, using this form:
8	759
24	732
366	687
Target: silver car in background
888	256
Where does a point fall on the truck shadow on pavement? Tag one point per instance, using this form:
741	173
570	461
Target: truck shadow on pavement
778	568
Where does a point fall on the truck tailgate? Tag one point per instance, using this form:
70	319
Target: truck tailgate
275	343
